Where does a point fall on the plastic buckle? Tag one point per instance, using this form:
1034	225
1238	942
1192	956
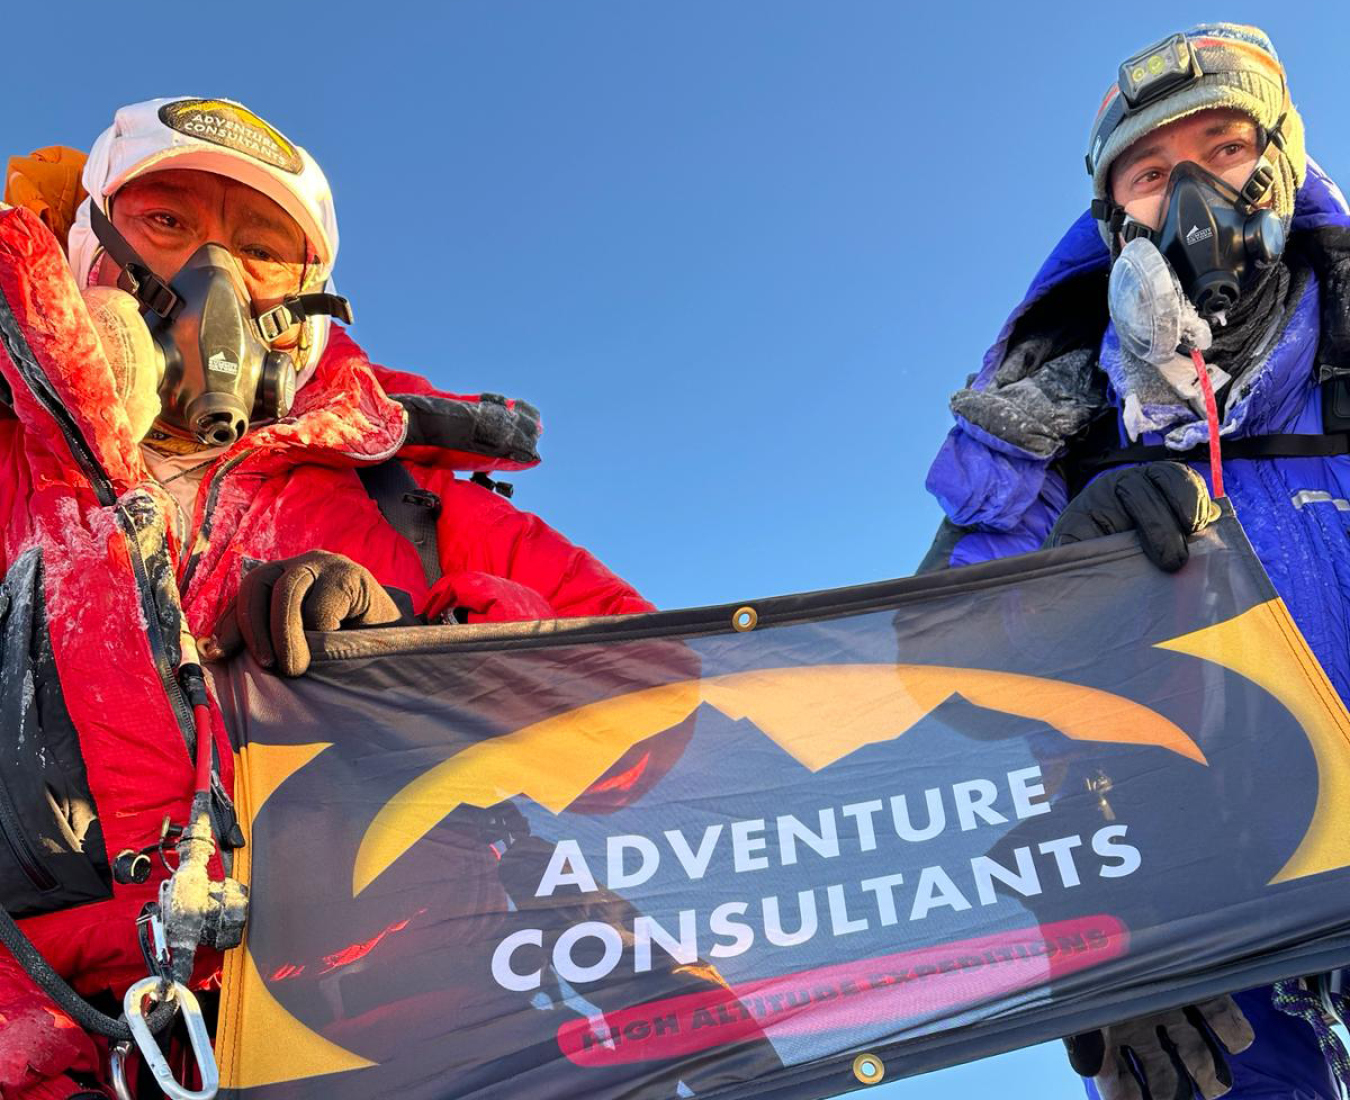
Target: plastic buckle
148	1046
1133	230
502	488
1254	190
152	292
273	322
423	498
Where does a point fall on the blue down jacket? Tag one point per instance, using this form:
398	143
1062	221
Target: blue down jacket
1002	500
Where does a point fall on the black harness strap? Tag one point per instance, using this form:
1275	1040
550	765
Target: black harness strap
1282	445
408	508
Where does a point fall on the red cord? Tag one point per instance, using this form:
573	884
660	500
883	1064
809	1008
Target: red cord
202	716
1212	418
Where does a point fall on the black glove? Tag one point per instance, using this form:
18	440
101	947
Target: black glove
280	600
1164	501
1164	1054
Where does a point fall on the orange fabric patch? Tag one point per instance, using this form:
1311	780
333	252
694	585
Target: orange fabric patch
47	182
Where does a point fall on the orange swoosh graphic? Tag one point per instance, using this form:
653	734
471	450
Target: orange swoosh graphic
1265	646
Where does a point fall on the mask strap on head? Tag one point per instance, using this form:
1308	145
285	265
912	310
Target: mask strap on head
1110	214
296	308
1115	219
1261	180
150	291
156	296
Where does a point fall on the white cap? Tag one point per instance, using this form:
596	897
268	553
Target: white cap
226	139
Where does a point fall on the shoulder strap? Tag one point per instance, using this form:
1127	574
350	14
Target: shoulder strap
408	508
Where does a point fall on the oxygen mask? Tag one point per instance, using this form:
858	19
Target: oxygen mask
216	363
204	369
218	373
1214	236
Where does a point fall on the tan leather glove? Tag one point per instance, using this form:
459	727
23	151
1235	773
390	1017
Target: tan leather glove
280	600
1167	1052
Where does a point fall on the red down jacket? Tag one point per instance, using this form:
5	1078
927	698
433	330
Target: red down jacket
102	594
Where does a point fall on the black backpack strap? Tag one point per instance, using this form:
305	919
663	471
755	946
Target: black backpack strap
408	508
1278	445
1099	449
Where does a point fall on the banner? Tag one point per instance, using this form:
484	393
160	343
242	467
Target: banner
787	849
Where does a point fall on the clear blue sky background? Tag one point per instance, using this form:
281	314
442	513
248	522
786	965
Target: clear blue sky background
739	252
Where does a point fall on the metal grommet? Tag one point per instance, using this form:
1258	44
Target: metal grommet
868	1069
744	619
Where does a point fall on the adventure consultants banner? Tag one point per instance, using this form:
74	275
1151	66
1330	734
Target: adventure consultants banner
787	849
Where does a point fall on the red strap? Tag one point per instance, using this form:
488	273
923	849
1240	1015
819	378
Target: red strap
1212	417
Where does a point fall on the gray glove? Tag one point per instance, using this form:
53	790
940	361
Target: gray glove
1165	1054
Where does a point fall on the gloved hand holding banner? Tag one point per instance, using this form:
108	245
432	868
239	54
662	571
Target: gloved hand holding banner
882	830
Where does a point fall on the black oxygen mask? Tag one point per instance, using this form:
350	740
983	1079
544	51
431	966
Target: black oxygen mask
218	372
1218	241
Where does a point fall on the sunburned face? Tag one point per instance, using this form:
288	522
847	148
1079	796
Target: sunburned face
1220	140
166	216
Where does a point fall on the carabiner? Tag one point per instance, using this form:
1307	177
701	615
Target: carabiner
149	1046
154	942
117	1068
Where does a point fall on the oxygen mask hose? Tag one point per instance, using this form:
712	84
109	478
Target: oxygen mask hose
67	1000
194	686
1212	419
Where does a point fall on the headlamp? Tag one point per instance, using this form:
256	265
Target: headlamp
1158	71
1145	78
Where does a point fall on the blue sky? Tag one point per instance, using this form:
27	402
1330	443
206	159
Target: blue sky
739	252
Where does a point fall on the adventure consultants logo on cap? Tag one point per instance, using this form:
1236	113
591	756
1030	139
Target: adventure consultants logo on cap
233	126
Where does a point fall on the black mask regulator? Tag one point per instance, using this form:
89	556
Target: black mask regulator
1216	238
220	371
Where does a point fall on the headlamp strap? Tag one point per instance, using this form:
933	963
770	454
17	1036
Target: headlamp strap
296	308
150	291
